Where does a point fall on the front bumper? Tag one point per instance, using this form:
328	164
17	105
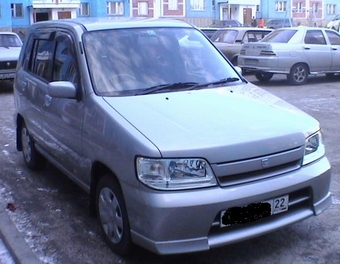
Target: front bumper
188	221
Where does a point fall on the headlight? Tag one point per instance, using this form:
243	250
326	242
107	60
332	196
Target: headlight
314	148
175	174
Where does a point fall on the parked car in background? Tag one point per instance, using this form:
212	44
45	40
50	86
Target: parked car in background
279	23
335	23
178	152
230	40
208	31
227	23
296	52
10	46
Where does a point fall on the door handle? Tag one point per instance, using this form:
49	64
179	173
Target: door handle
24	86
48	100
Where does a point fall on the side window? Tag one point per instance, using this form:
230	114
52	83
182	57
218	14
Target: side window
42	60
315	37
64	64
333	37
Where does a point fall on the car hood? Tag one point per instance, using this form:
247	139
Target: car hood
219	124
10	53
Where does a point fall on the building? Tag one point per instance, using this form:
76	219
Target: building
16	15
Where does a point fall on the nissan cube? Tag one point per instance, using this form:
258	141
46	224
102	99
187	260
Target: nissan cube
178	152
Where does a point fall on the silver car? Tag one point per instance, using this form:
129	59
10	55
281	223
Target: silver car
10	46
296	52
178	152
229	40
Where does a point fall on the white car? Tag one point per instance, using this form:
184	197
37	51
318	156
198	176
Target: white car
10	46
296	52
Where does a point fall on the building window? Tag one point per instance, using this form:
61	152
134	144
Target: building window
115	8
281	6
299	7
173	4
17	10
197	5
84	9
330	9
143	8
315	7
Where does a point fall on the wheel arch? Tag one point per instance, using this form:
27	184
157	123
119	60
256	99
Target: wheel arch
300	63
98	170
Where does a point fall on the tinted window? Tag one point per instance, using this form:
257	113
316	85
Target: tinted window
334	38
315	37
42	60
64	63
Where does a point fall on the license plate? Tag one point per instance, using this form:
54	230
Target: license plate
7	76
255	211
251	61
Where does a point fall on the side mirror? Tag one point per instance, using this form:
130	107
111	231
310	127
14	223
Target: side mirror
62	89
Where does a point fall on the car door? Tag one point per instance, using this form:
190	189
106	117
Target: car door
316	51
64	117
31	83
334	39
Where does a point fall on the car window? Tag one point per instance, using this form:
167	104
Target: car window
226	36
137	59
42	58
253	36
64	63
9	40
333	37
280	36
315	37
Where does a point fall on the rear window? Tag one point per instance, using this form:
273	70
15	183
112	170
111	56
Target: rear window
280	36
226	36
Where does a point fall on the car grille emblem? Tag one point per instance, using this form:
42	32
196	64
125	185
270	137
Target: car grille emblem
8	64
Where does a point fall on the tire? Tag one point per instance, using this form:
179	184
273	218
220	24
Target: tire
264	76
33	159
112	215
298	74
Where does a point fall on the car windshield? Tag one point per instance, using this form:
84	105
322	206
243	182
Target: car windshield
130	61
9	40
226	36
279	36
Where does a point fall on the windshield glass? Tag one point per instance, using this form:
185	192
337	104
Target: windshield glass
8	40
279	36
128	61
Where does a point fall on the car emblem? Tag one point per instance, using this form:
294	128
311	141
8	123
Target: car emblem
8	64
265	163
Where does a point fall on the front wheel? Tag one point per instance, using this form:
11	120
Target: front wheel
33	159
298	74
264	76
112	215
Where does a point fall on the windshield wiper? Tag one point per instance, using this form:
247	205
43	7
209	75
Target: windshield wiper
219	82
166	87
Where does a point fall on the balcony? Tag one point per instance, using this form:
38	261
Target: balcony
56	3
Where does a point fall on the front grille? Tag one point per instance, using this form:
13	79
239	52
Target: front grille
7	65
259	168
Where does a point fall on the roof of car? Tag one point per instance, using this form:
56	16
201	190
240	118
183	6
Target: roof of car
244	28
91	24
7	33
